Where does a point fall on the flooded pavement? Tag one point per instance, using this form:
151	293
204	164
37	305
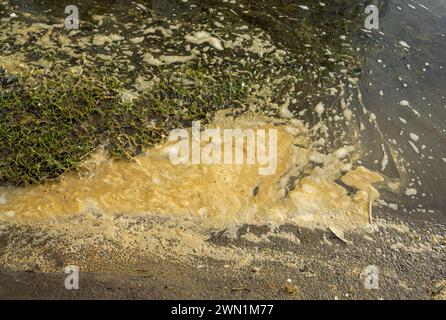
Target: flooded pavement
86	173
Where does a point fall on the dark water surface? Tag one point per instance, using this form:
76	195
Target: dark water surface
418	76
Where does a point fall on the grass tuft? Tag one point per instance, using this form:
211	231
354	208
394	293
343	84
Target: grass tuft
49	123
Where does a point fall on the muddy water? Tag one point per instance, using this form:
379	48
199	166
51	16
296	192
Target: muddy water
307	69
219	195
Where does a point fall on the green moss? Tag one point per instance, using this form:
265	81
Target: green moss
49	123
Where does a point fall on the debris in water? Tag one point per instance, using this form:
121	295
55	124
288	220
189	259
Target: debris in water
404	103
404	44
202	37
410	192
